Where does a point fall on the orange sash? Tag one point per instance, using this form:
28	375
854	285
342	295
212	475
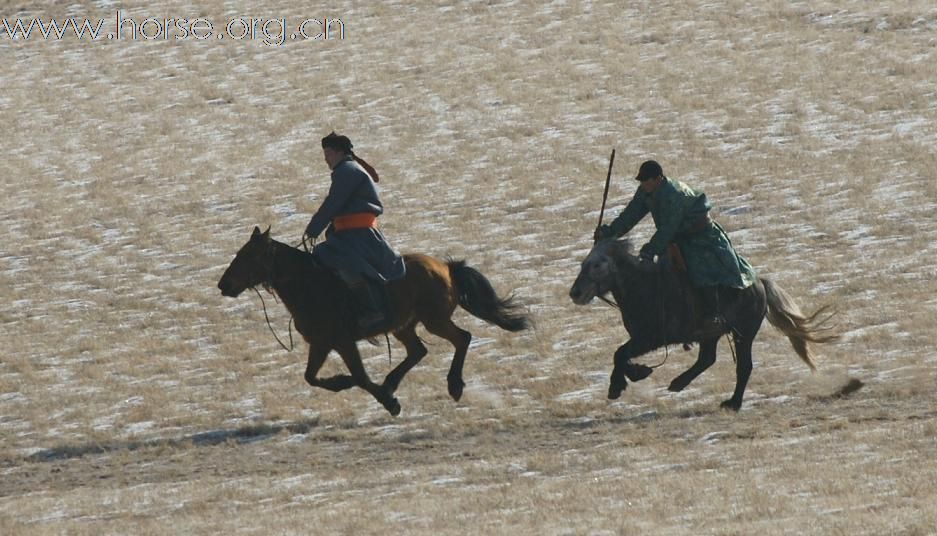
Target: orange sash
358	220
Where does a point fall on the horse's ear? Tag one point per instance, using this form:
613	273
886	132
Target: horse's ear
257	234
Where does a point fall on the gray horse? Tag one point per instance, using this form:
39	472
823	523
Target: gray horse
660	307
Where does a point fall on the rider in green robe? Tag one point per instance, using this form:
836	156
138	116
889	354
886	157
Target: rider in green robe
681	216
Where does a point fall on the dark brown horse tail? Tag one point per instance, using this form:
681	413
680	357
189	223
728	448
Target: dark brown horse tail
478	297
801	329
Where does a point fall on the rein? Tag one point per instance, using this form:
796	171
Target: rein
305	243
663	316
264	305
290	349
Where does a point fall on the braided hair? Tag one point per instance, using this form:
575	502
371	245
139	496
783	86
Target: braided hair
342	143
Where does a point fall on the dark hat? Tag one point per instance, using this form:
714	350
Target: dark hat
337	142
649	170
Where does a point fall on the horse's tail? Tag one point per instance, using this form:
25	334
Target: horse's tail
478	297
801	329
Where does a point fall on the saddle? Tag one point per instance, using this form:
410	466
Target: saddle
675	260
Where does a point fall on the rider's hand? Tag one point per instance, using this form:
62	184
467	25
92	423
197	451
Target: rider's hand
603	231
646	262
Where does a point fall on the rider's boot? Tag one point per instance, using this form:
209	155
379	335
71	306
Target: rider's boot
712	323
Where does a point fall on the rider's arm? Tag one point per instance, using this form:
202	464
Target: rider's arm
343	186
672	209
631	215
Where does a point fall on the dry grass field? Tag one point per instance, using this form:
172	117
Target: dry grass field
134	399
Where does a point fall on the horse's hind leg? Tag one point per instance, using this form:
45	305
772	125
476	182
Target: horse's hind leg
743	370
349	353
704	360
445	328
415	352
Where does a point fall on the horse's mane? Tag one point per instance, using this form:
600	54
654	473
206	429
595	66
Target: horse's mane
316	278
624	246
307	259
621	251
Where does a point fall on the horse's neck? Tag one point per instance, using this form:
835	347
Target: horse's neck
296	280
652	301
637	292
627	274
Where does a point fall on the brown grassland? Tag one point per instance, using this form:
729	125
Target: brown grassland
134	399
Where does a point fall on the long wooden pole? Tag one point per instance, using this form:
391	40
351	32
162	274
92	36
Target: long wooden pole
608	180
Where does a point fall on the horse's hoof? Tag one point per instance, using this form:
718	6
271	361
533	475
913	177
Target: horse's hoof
614	391
455	389
393	407
676	387
637	372
731	404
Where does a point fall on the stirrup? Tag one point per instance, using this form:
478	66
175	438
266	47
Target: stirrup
372	320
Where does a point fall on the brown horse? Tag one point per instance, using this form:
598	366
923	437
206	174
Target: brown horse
318	301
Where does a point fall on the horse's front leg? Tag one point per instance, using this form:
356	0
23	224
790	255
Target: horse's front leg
625	368
317	355
617	383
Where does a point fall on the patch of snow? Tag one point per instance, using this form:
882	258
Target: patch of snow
13	396
714	437
581	394
446	481
478	342
139	427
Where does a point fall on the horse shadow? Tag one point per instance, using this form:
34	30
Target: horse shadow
240	435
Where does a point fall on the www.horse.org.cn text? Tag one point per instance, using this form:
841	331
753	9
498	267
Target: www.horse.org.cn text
269	31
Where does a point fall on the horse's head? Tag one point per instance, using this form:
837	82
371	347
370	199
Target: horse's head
250	266
596	274
606	264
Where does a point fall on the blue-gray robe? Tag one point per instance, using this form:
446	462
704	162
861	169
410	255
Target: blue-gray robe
359	251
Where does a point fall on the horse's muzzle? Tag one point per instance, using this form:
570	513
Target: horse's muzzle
226	289
578	296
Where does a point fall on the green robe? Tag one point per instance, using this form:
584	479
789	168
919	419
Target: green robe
677	211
